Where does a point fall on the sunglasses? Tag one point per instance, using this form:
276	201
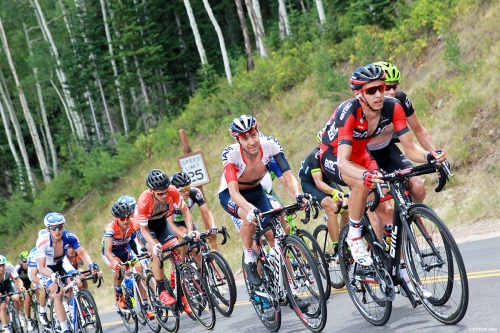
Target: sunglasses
122	219
373	90
24	261
161	194
185	189
389	87
56	228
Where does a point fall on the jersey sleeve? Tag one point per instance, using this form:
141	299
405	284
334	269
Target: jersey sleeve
314	161
228	162
11	271
399	120
73	240
143	208
405	103
109	232
41	246
197	197
273	166
346	123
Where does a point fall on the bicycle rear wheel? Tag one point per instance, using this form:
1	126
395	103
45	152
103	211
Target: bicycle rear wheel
168	319
90	321
363	284
34	314
331	256
141	315
220	281
437	264
319	257
15	321
270	312
198	296
303	273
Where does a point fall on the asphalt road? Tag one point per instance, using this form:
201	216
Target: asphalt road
482	261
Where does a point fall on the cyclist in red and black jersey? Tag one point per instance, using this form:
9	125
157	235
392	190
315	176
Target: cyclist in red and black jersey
344	156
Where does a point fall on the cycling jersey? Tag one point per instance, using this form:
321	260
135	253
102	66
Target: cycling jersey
310	165
149	208
120	238
45	248
349	126
195	197
32	262
405	102
234	162
9	273
23	274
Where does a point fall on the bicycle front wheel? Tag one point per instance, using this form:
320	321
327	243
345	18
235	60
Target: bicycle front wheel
34	318
318	256
436	264
16	321
139	307
331	256
220	281
198	296
167	318
362	284
90	321
303	284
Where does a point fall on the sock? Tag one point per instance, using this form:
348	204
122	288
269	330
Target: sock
335	246
402	271
161	285
64	326
249	258
354	228
43	309
118	290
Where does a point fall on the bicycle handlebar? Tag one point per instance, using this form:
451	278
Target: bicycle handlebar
222	231
175	247
288	210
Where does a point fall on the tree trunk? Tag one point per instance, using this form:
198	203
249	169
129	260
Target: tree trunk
115	68
196	33
244	28
92	111
189	76
258	30
221	40
46	127
70	103
63	102
24	104
321	11
13	148
284	16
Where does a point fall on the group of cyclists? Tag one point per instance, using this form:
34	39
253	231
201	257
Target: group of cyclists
356	142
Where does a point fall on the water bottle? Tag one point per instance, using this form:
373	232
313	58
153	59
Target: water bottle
387	236
129	286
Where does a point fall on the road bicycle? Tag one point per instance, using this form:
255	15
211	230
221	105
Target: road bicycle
187	282
35	322
14	319
430	253
288	272
217	274
134	299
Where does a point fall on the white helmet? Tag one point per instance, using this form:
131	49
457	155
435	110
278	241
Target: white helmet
54	219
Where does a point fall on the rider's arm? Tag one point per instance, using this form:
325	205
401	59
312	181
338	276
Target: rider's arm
108	249
320	184
206	215
421	133
19	284
238	199
43	269
285	186
292	183
176	230
188	219
347	168
84	255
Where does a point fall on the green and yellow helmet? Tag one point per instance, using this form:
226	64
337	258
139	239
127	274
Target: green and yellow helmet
320	135
24	256
391	71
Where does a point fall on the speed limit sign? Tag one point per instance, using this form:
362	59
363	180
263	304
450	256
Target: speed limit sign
194	165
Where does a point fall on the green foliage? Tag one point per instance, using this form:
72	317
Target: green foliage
451	53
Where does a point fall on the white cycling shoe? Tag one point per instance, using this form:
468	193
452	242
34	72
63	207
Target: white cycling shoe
358	251
424	292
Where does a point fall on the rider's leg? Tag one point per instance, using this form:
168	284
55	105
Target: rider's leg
27	304
58	306
3	311
330	208
417	190
383	215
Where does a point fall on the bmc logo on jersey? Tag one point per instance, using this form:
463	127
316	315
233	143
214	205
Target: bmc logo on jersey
344	110
332	132
330	165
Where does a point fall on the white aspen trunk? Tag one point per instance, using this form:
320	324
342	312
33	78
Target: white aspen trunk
284	15
46	127
196	33
94	118
144	89
115	68
63	102
321	11
61	75
254	27
258	15
13	148
187	74
258	31
27	114
246	38
221	40
17	129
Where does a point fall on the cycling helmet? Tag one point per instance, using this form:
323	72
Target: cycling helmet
366	74
42	232
129	200
319	137
157	180
242	126
3	260
181	179
121	210
23	256
52	219
391	72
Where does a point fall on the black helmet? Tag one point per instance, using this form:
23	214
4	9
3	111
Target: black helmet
241	126
181	179
366	74
121	210
157	180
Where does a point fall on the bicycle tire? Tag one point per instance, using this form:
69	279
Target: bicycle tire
270	317
323	238
197	295
377	312
34	318
15	321
445	278
303	271
319	257
89	312
153	324
129	319
220	281
169	322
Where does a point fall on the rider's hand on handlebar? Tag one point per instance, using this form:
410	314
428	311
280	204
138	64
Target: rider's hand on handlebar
116	265
252	215
157	250
304	199
213	231
371	178
436	156
195	235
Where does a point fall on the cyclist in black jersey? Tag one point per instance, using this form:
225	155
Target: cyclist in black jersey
22	270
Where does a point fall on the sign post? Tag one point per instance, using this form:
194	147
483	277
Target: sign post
193	164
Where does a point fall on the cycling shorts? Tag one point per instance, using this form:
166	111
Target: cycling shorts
121	253
310	188
166	237
255	196
331	169
390	158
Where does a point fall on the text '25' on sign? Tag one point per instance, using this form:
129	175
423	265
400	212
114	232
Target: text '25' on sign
194	165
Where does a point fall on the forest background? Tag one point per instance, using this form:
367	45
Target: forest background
93	93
